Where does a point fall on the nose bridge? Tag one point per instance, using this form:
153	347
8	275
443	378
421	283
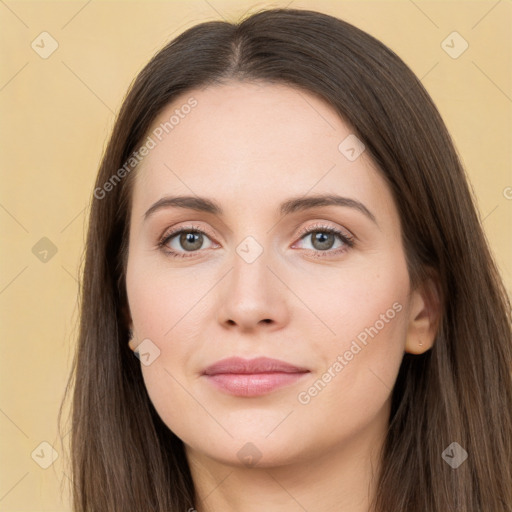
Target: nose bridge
250	279
251	293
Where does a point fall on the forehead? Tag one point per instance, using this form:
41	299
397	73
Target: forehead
247	123
245	142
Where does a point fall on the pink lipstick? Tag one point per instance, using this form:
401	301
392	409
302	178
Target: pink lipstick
252	377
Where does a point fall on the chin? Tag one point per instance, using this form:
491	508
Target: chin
256	451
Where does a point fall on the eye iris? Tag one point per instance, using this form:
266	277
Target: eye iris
191	241
322	238
196	239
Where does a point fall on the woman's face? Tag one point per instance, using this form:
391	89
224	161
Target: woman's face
321	285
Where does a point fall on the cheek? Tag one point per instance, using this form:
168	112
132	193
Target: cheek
159	298
164	307
160	307
359	298
364	308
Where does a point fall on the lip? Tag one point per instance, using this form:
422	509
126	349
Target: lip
252	377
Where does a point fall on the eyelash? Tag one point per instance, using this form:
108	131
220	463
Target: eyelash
347	240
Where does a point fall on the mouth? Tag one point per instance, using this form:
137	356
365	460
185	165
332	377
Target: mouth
252	377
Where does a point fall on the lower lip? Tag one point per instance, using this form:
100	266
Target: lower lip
253	384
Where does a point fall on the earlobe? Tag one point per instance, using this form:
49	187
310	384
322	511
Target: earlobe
130	339
424	317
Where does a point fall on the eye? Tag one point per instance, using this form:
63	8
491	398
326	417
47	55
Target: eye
323	240
186	241
179	242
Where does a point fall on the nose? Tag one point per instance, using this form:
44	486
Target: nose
253	295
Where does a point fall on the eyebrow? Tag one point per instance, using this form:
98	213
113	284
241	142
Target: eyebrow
292	205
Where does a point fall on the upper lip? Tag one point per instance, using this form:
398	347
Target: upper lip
239	365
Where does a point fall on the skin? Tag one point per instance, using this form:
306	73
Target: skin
250	147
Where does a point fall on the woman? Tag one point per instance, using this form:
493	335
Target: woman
283	235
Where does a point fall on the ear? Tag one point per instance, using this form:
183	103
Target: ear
131	344
127	319
424	317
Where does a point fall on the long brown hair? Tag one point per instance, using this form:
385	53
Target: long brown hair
124	457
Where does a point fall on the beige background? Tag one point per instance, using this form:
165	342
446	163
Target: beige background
56	114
